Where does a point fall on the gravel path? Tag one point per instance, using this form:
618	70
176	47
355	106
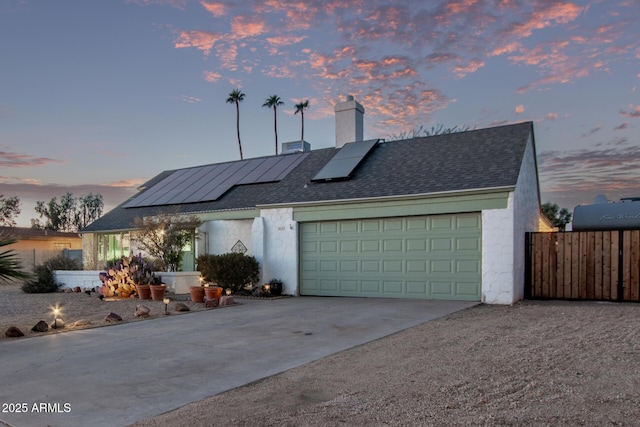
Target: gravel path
533	364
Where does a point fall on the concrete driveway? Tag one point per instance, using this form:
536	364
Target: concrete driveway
116	375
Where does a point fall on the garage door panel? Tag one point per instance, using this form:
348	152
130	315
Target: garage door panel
436	257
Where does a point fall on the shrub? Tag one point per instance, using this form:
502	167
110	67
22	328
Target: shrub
45	280
230	270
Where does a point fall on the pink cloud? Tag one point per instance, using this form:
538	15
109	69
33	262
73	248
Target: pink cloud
202	40
545	15
243	26
217	9
471	67
211	76
519	109
15	160
634	113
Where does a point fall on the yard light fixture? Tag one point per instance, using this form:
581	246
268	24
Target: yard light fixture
166	304
228	291
56	312
206	285
267	287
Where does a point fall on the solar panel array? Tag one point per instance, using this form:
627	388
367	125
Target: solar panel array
345	161
210	182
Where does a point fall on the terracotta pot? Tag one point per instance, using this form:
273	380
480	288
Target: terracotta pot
197	293
143	291
157	292
213	292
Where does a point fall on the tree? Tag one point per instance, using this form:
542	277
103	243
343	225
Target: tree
10	266
439	129
558	217
69	214
236	96
163	236
273	101
9	210
300	107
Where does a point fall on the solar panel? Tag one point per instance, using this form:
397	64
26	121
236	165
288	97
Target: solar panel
210	182
345	161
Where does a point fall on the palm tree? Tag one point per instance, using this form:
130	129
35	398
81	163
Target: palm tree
236	96
300	107
10	267
273	101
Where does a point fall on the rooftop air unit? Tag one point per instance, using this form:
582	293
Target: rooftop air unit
295	147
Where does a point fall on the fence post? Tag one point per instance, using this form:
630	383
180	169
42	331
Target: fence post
621	234
527	265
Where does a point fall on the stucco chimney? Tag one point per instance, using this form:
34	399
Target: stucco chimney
349	119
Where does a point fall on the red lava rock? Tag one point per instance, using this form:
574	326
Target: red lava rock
210	303
112	317
41	326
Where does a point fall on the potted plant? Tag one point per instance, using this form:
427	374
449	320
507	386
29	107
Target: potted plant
157	288
275	287
212	292
197	293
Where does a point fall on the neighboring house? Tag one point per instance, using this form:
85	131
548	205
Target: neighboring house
440	217
35	246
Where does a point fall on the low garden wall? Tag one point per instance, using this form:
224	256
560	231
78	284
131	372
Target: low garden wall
177	282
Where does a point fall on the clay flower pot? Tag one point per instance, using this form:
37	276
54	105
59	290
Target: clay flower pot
157	292
143	291
213	292
197	293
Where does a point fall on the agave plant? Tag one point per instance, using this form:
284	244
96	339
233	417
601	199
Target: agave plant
10	267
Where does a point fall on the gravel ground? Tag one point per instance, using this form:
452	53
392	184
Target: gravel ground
25	310
534	364
531	364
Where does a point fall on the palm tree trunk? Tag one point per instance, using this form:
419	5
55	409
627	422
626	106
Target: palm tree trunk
238	127
275	127
302	115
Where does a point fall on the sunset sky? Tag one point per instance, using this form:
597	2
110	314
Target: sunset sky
99	96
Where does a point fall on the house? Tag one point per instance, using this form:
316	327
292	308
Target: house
34	246
440	217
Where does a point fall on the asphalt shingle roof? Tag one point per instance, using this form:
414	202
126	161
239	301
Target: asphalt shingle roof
477	159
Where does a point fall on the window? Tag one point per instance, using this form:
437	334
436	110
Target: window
113	246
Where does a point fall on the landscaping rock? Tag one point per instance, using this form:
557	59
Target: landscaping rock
57	324
77	289
142	311
41	326
112	318
13	332
226	300
211	303
181	307
68	290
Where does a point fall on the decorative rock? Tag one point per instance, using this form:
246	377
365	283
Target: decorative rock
112	317
142	311
181	307
13	332
41	326
68	290
77	289
81	322
210	303
57	324
226	300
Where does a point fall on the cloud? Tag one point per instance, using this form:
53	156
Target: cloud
202	40
576	175
519	109
178	4
244	26
15	160
217	9
545	14
189	99
211	76
634	113
622	126
592	131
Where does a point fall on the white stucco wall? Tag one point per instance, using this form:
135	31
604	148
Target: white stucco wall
527	215
503	234
497	254
221	235
280	256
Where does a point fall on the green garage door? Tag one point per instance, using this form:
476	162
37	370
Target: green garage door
432	257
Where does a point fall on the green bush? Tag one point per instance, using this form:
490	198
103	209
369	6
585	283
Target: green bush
45	280
230	270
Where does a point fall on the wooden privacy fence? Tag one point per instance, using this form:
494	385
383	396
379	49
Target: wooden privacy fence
585	265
